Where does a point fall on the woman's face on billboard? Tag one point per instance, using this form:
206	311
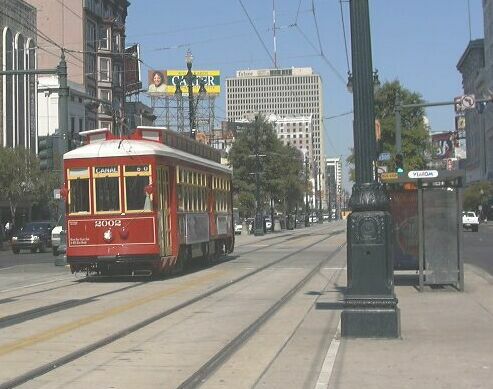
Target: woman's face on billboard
157	79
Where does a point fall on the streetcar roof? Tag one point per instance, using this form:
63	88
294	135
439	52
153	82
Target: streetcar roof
128	148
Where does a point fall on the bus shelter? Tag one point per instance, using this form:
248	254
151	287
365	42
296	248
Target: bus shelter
426	208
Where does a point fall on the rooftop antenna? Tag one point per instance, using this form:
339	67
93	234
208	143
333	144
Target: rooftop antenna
274	22
469	18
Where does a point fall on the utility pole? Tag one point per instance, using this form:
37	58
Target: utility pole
398	129
259	222
370	305
307	206
320	213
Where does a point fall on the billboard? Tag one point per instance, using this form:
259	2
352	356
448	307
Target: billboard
162	82
157	82
443	145
133	82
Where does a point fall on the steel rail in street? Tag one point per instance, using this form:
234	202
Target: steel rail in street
83	351
201	375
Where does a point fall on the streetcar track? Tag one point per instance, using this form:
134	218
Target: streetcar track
207	369
70	357
38	312
14	298
316	305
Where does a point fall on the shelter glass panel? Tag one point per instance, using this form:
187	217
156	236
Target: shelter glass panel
440	235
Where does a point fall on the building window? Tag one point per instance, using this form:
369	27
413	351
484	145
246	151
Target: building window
104	69
8	91
103	38
105	94
105	124
116	43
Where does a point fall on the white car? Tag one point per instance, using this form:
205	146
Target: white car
268	224
238	228
55	239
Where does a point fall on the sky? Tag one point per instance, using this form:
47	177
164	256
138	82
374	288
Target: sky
417	42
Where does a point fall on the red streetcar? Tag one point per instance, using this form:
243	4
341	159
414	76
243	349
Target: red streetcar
148	203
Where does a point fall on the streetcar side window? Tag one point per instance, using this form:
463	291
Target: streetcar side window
78	184
107	189
192	194
221	187
137	178
135	193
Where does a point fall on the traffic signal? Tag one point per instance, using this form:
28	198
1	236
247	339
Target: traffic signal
45	152
399	164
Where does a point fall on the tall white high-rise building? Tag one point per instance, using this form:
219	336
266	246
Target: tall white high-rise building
283	92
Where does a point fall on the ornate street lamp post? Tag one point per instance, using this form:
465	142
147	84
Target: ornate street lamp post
190	79
370	305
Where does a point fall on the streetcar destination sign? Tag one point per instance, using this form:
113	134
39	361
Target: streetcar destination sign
422	174
106	169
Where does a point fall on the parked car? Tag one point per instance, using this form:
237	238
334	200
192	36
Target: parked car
33	236
55	240
238	227
470	220
268	223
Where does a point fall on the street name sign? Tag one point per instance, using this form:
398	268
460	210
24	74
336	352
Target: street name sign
422	174
391	176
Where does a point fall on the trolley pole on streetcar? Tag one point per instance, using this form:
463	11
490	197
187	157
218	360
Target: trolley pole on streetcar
370	305
189	79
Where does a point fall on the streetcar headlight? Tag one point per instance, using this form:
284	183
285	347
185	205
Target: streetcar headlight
107	235
14	238
34	238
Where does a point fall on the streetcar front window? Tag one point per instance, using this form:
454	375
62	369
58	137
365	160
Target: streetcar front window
79	195
135	193
107	191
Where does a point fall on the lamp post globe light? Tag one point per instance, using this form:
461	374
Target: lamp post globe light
190	79
370	305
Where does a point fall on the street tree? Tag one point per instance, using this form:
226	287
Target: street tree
278	167
477	196
21	180
416	146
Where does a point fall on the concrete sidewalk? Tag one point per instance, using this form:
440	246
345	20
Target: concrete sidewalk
446	341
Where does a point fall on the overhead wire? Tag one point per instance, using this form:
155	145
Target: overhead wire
316	27
256	31
344	34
